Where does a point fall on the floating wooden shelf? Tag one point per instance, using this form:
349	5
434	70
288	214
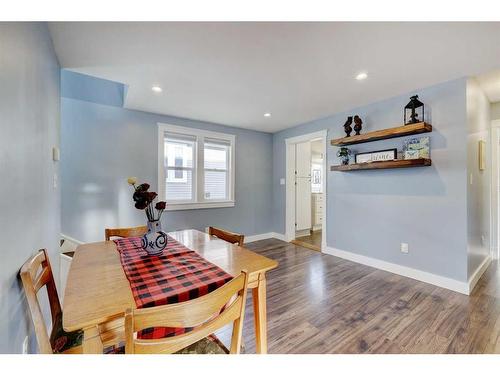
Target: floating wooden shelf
390	164
400	131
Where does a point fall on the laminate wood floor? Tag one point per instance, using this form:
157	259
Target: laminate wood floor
312	241
323	304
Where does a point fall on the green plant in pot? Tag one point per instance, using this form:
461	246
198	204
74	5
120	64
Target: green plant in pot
344	154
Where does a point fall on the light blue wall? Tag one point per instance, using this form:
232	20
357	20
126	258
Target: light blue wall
372	212
29	205
424	207
102	145
91	89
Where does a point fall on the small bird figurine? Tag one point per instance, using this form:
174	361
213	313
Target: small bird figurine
358	122
347	126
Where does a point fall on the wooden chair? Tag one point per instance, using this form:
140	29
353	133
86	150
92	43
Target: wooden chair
227	236
125	232
206	314
35	274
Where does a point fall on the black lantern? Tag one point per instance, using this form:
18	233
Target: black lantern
414	111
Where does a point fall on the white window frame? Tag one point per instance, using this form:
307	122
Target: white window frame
199	168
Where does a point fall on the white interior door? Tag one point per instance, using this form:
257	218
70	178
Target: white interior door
303	186
303	160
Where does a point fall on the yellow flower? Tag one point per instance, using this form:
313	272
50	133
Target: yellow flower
132	180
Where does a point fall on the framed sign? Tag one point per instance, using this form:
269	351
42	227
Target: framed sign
417	148
382	155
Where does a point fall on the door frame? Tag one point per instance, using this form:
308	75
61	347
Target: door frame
290	183
495	190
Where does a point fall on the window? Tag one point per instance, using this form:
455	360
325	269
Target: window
196	168
178	162
216	169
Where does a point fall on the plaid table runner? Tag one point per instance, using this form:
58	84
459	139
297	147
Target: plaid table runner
177	275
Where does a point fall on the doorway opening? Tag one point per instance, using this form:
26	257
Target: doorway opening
306	190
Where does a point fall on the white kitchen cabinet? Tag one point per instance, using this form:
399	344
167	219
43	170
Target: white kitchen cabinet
317	209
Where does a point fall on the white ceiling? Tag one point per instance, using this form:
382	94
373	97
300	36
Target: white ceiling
232	73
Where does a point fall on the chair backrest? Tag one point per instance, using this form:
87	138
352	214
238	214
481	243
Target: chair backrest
227	236
35	274
205	314
125	232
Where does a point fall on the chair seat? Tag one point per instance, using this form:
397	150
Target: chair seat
63	341
207	345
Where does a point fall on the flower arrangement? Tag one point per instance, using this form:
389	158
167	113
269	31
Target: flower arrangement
144	200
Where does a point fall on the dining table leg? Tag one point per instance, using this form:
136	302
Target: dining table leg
92	343
260	314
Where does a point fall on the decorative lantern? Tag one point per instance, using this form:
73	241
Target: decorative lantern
414	111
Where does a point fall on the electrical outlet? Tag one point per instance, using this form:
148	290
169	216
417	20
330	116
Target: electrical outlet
54	180
404	248
25	345
483	240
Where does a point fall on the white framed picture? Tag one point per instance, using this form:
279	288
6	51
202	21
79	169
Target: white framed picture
417	148
382	155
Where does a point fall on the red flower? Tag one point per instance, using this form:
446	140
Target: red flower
142	187
140	196
141	205
151	196
161	205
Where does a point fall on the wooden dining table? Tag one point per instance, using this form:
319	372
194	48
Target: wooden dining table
98	292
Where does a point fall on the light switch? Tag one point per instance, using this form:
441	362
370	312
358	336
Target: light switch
282	181
404	247
55	154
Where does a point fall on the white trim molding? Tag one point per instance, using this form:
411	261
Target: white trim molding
290	182
478	273
264	236
495	189
198	200
194	206
71	239
494	253
412	273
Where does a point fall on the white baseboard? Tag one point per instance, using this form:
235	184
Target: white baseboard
264	236
278	236
427	277
494	252
478	273
302	233
255	237
71	239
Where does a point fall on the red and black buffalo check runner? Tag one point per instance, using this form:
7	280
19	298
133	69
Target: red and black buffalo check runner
177	275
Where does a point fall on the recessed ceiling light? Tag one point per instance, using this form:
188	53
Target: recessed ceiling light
267	114
361	76
156	88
